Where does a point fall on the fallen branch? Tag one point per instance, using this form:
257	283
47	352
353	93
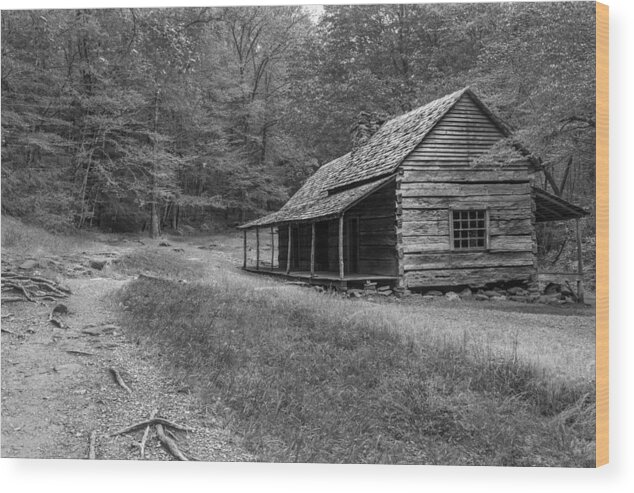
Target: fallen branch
79	353
101	329
119	380
153	278
169	444
146	434
149	422
91	450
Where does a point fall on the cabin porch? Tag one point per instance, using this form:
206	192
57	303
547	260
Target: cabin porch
550	208
353	245
325	278
339	252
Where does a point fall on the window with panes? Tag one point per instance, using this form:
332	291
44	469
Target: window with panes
469	229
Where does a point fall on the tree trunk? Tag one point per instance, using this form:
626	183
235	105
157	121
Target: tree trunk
154	219
175	217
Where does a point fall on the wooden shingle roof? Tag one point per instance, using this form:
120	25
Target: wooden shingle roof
313	201
343	181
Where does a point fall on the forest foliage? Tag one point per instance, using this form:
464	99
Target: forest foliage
160	117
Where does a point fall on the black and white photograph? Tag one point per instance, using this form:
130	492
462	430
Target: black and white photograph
333	234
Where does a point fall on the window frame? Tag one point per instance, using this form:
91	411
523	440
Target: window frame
487	230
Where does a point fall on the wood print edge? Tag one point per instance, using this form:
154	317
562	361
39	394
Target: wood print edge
602	235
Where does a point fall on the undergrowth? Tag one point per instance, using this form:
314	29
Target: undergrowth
29	239
304	379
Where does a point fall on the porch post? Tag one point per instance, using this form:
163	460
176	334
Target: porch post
257	248
580	294
341	268
272	248
288	252
312	250
244	248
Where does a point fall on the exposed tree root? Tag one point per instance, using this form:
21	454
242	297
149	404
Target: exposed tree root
119	379
146	433
93	443
32	288
149	422
169	444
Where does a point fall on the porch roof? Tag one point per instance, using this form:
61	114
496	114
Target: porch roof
314	202
549	207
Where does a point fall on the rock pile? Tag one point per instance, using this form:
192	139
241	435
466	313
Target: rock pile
554	294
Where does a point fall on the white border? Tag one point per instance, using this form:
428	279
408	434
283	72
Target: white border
69	476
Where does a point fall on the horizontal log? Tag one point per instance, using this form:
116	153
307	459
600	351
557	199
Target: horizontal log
471	277
463	175
558	277
455	260
426	228
511	242
470	202
416	215
499	227
438	225
438	243
419	244
409	189
502	214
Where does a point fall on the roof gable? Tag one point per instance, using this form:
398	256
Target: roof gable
462	134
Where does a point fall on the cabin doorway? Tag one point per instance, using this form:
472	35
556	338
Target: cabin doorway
321	246
352	245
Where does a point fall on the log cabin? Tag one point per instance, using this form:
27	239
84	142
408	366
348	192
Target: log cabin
415	204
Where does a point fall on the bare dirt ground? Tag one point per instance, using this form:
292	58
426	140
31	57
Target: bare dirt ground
58	388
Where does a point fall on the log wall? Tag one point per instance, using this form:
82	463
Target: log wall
377	231
438	177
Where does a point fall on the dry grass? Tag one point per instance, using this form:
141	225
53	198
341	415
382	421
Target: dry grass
158	262
311	377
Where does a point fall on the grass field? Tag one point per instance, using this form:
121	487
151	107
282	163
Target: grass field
311	377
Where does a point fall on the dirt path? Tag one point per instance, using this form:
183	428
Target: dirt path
57	386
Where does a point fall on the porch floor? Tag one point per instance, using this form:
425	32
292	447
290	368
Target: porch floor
324	277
